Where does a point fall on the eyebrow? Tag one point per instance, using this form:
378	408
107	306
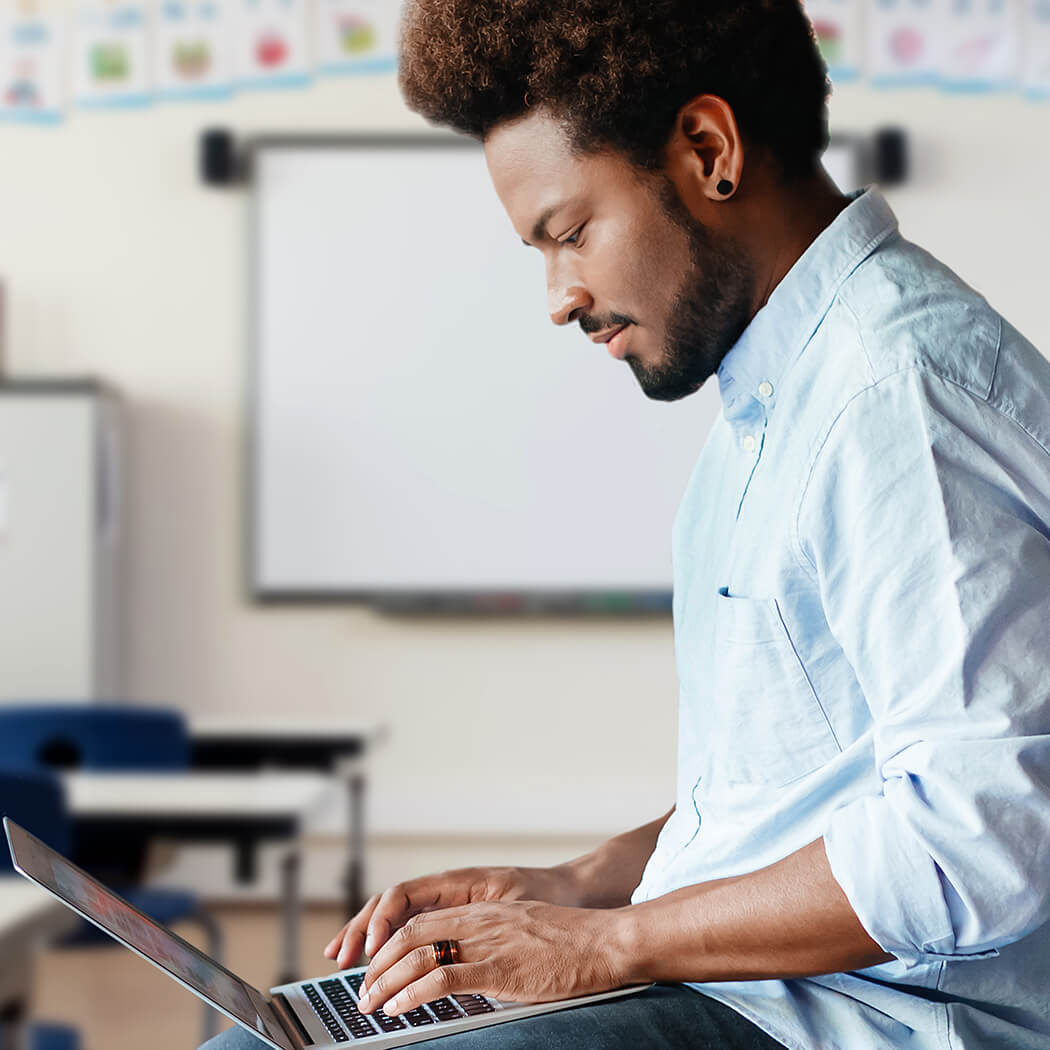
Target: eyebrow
539	229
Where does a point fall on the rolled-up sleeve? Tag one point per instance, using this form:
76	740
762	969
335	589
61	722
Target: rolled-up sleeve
925	522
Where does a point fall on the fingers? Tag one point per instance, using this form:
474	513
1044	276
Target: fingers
417	979
414	934
404	973
395	905
418	962
347	944
445	980
372	926
332	948
400	903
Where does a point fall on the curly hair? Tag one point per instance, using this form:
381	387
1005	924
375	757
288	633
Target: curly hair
616	72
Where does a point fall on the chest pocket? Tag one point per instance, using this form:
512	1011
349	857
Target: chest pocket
772	727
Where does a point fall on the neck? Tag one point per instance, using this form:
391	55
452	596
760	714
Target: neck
789	221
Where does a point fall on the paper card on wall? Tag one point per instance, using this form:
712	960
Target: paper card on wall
270	48
111	54
904	38
1035	33
194	49
839	28
32	63
981	50
356	36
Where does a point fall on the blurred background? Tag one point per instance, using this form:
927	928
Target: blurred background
152	413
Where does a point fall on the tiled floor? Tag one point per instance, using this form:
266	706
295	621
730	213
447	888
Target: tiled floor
120	1002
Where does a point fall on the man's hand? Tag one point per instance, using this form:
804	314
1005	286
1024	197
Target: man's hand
520	950
603	878
372	926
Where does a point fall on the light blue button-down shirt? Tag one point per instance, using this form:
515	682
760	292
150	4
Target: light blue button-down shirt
862	624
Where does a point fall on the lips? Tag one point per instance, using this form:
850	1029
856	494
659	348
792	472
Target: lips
612	337
616	343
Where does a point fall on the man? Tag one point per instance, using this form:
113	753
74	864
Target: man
859	852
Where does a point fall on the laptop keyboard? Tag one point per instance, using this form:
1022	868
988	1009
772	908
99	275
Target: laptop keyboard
335	1030
341	994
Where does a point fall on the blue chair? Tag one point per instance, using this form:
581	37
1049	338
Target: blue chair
110	738
35	801
106	739
53	1037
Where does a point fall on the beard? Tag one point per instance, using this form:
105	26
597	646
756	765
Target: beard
709	313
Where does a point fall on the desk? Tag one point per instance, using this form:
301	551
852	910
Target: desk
227	742
243	808
28	915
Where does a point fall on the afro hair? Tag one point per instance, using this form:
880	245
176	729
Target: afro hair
616	72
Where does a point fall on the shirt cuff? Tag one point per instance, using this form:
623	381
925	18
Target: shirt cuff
889	879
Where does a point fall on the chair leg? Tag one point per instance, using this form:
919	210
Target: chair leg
12	1025
207	921
290	915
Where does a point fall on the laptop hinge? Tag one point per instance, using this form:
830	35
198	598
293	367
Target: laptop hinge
293	1027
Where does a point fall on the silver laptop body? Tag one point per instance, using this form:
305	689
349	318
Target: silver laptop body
320	1012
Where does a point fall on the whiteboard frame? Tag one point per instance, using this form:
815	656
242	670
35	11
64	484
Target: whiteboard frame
610	602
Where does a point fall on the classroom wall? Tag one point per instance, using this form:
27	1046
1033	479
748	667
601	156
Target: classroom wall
534	736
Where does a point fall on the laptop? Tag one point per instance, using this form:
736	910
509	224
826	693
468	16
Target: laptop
321	1012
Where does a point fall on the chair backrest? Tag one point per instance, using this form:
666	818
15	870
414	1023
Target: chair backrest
74	736
35	801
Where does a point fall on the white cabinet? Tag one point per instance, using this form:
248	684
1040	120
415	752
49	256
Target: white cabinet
60	542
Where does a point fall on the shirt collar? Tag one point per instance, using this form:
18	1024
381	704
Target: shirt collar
750	374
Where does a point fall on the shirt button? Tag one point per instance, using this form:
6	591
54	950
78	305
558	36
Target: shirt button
765	389
750	444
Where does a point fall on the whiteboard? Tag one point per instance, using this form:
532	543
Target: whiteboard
419	428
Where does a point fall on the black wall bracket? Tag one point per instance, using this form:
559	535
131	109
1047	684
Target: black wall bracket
219	161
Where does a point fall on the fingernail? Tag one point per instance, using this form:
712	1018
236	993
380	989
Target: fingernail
390	1007
369	942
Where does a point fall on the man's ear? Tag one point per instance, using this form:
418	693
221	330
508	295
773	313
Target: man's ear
705	154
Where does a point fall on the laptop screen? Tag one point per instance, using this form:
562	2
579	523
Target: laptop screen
127	924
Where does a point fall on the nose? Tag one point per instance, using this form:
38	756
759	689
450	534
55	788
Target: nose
566	300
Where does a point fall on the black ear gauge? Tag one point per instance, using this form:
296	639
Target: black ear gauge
725	187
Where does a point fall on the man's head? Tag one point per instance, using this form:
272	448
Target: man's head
616	133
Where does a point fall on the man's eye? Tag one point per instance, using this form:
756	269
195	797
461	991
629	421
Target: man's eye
573	238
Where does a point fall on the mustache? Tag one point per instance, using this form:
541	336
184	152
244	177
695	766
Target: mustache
591	324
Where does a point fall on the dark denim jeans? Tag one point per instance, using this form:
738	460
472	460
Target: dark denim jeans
667	1017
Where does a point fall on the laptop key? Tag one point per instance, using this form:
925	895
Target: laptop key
418	1017
359	1025
445	1010
388	1024
473	1005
